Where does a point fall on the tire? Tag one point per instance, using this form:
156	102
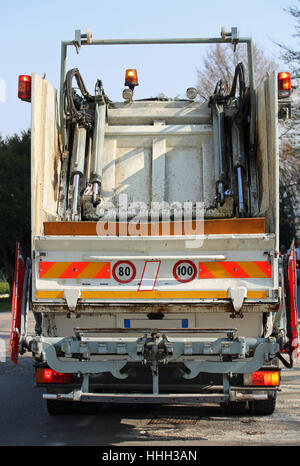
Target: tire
234	408
55	407
263	407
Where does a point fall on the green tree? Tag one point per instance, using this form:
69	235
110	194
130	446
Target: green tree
287	230
288	54
14	200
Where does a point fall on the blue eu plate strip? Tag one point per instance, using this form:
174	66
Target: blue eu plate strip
126	323
185	323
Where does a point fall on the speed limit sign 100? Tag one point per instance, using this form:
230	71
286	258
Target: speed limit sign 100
124	271
184	271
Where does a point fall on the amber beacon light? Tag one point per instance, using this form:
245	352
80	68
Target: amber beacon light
284	84
24	87
131	78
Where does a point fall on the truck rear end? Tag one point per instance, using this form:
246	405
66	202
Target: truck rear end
155	259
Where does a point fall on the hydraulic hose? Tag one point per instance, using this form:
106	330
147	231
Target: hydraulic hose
238	75
77	109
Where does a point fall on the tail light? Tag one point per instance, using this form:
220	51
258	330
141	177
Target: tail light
24	87
284	85
43	375
262	378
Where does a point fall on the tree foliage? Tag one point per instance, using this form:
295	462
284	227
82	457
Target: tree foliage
14	199
220	63
289	151
290	55
287	229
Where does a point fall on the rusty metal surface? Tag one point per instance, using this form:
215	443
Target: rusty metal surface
141	398
80	331
91	308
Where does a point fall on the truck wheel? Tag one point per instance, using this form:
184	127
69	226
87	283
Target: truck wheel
263	407
234	408
59	407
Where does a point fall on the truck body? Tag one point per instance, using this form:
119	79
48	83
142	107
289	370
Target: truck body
155	274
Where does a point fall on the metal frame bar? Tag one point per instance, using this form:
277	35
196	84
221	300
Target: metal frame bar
230	38
162	398
78	395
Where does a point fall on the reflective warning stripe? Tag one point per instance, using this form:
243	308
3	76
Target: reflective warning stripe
74	269
230	269
207	270
201	294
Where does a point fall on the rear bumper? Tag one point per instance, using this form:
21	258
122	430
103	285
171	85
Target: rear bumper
182	398
224	359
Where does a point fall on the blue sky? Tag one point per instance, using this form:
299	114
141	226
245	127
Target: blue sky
31	32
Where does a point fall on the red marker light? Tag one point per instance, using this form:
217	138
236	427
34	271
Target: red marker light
24	87
284	84
50	376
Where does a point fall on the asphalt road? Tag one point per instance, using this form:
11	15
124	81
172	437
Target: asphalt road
24	419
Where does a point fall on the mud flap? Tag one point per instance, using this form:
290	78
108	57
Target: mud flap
290	293
26	297
16	304
20	302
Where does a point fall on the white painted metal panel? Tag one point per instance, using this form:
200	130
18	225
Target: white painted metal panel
45	154
136	113
267	153
132	174
219	247
158	152
183	174
60	325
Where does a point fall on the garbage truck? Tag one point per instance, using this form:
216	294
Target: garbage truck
155	274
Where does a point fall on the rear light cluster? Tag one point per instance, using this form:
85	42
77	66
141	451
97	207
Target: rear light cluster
262	378
284	85
43	375
24	87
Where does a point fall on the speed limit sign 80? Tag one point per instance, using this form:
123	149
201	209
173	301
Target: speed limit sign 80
184	271
124	271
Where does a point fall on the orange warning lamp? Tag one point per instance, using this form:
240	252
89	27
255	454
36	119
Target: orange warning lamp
284	85
131	79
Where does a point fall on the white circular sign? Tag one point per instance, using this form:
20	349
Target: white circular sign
184	271
124	271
